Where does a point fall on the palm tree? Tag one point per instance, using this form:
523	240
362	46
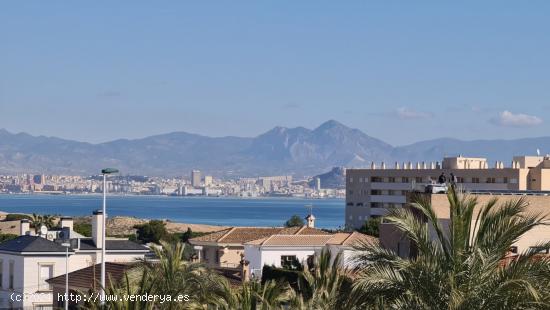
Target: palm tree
252	295
325	286
38	220
170	275
461	266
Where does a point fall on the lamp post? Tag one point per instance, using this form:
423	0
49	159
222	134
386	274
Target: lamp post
104	172
67	246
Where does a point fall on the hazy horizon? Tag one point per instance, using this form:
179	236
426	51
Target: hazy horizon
260	133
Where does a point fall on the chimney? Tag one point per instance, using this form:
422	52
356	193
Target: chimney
24	227
97	226
66	221
310	220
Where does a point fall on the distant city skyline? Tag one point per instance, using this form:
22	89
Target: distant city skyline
399	72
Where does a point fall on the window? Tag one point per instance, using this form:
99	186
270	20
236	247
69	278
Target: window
349	204
376	179
359	204
459	179
45	272
360	180
289	262
539	250
391	192
376	192
505	180
475	180
491	180
350	179
391	180
404	180
376	205
11	274
418	179
350	192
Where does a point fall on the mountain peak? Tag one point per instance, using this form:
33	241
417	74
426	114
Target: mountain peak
330	124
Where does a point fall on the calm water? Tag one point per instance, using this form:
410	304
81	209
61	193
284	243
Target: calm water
200	210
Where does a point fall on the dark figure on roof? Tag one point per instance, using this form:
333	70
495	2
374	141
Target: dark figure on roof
442	178
454	179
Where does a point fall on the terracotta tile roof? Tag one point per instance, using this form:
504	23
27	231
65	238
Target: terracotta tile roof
258	241
339	238
84	278
297	240
343	239
243	235
311	231
290	230
349	239
212	237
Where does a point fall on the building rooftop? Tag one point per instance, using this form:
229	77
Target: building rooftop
242	235
113	245
28	243
89	277
343	239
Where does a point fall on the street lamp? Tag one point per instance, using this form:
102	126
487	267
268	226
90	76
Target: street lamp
67	245
104	172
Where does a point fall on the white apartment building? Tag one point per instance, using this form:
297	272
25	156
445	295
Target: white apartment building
370	192
27	261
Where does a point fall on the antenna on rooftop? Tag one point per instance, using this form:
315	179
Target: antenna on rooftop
310	208
538	152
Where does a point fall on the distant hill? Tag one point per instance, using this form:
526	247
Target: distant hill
298	151
335	178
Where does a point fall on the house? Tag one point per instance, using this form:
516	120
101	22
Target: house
224	248
289	251
28	261
276	246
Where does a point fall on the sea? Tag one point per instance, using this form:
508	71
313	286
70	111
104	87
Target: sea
223	211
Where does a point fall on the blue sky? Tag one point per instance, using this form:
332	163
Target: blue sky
401	72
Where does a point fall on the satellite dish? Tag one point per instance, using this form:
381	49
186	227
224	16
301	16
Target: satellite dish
49	237
43	230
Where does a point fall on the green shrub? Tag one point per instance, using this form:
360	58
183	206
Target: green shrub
6	237
17	217
82	228
294	221
154	231
371	227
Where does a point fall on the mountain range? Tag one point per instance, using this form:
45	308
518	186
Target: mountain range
298	151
